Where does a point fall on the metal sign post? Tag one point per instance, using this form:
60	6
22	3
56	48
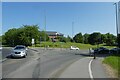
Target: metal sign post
33	41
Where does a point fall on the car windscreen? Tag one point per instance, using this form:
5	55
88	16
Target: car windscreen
19	47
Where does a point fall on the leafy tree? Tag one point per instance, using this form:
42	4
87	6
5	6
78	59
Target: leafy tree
62	39
78	38
43	36
94	38
111	39
103	38
10	36
69	39
0	40
85	38
26	33
22	36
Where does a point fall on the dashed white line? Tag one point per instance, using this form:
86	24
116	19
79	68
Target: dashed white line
90	70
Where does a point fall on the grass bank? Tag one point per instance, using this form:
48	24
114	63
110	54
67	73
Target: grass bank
65	45
113	62
68	44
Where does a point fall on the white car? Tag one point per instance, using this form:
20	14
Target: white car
19	51
74	48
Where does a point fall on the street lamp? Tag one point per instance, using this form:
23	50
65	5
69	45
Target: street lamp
72	30
45	28
116	9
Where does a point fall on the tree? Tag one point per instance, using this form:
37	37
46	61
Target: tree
43	36
111	39
26	33
10	36
78	38
85	38
69	39
94	38
62	39
0	38
22	36
103	38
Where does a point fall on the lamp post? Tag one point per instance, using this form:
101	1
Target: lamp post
119	24
72	30
45	28
118	33
116	13
40	41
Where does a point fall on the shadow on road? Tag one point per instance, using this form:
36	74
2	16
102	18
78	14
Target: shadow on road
97	55
86	55
10	57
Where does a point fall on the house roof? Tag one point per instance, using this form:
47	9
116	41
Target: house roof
50	33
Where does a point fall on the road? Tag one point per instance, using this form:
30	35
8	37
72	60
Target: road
51	63
6	52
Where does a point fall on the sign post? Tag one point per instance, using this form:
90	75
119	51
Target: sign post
40	41
33	41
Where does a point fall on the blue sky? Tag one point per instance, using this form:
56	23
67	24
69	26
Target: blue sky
88	17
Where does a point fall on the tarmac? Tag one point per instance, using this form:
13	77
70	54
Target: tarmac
85	68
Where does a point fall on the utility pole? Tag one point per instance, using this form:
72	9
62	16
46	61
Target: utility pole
72	30
117	25
45	27
116	9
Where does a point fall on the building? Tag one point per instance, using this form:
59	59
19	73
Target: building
53	35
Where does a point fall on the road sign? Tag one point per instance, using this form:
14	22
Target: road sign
33	41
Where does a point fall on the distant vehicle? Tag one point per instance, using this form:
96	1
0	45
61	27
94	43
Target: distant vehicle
114	50
19	51
101	50
74	48
91	51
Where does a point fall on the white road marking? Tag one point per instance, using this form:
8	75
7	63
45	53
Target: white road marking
90	71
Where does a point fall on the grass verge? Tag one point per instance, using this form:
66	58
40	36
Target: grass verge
113	62
68	44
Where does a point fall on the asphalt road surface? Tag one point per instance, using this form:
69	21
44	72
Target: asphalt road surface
6	52
42	63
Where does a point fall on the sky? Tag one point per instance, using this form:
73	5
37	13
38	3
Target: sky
59	0
88	17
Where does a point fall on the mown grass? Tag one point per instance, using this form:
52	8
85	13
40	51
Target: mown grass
114	62
65	45
68	44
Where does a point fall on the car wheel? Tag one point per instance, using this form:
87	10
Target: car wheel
11	56
24	56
